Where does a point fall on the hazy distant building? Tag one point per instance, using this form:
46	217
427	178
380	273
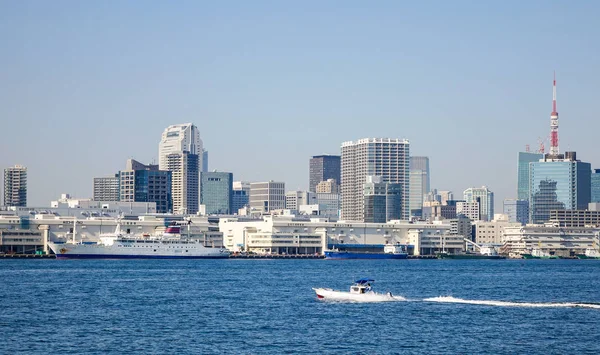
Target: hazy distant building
321	168
107	188
15	186
558	183
204	160
422	164
517	210
295	199
382	200
267	196
216	192
184	182
145	183
525	158
485	197
384	157
595	185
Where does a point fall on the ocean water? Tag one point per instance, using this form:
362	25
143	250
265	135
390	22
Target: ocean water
269	307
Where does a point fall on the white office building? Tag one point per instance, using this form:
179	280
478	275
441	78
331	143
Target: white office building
179	138
267	196
384	157
485	198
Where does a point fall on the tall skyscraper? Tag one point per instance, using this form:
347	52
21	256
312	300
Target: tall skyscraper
485	197
417	192
523	173
595	186
267	196
384	157
15	186
179	138
323	167
216	192
107	188
422	164
181	151
184	181
558	182
382	200
146	183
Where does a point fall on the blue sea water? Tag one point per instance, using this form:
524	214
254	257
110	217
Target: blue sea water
268	307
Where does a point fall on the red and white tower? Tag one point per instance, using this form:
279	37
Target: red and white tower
554	122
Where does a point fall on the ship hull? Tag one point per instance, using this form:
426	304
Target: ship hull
131	251
470	256
356	255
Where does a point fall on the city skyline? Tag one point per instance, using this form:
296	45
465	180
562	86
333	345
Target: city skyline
446	89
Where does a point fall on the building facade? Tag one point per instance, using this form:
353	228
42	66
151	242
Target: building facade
15	186
471	210
321	168
329	186
595	186
485	198
145	183
422	164
558	184
267	196
107	188
517	210
295	199
216	192
239	200
417	192
525	158
179	138
382	201
384	157
184	182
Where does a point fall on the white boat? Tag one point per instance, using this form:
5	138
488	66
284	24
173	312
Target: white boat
170	245
360	291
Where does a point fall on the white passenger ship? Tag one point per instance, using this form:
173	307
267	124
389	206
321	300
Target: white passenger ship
170	245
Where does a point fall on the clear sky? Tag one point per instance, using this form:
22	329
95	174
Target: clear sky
85	85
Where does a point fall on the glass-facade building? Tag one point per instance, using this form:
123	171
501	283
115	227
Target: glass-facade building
323	167
595	185
523	173
558	185
216	192
517	210
240	199
145	183
383	202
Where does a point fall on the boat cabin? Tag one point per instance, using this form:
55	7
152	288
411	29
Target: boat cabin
362	286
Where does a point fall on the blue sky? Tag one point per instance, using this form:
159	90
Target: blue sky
86	85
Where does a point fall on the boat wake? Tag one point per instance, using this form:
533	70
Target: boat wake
450	299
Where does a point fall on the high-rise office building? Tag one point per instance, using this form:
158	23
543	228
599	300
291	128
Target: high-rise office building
384	157
321	168
485	197
146	183
184	181
382	200
559	182
15	186
525	158
422	164
216	192
239	200
595	185
179	138
107	188
416	193
517	210
267	196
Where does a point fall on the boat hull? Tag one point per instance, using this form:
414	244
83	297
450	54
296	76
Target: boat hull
357	255
120	251
332	295
129	256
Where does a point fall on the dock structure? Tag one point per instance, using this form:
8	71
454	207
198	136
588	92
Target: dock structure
28	256
232	256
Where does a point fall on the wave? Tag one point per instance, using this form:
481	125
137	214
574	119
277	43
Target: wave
450	299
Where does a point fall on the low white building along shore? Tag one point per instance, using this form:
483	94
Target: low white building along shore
550	239
293	235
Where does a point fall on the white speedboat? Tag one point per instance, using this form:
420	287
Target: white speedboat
360	291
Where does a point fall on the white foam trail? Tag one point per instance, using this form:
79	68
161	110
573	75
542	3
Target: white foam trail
450	299
366	300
